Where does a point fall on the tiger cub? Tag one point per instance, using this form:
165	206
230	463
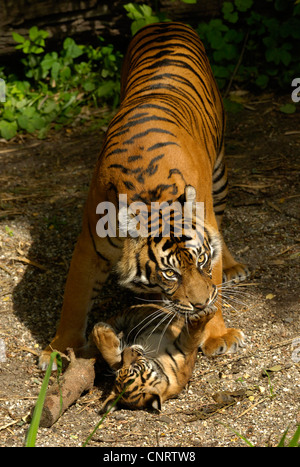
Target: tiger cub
154	356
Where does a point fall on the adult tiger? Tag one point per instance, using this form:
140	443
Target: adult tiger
166	143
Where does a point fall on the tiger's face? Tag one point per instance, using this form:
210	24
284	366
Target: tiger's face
138	381
181	271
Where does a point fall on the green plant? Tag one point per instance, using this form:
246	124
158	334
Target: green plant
52	88
85	443
142	14
35	421
254	43
293	443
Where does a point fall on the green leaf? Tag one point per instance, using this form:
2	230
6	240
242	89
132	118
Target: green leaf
8	114
229	13
71	48
49	106
56	66
262	81
8	129
106	89
288	108
25	123
65	72
18	38
243	5
33	33
48	60
25	46
89	86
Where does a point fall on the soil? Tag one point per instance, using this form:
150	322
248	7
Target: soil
43	187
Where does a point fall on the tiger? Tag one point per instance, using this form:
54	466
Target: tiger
152	352
165	144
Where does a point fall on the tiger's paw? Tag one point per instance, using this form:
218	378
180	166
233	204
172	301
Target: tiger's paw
44	360
230	342
236	273
108	343
104	336
59	345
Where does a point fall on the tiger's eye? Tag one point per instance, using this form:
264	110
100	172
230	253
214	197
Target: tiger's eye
201	258
169	274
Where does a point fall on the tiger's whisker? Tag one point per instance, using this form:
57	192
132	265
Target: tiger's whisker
164	331
146	319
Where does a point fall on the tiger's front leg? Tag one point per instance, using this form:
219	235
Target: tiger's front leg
88	272
217	338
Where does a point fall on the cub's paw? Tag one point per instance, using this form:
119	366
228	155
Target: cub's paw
236	273
229	342
104	336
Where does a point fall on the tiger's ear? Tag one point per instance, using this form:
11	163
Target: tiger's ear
154	401
189	195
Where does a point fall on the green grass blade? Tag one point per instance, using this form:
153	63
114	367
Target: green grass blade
106	413
238	434
34	425
294	443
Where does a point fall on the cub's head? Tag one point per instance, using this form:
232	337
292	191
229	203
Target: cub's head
176	260
137	380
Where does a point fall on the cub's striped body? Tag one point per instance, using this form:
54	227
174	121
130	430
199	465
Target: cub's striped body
154	359
166	145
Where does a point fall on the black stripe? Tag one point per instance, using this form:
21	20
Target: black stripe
172	358
129	185
220	190
138	266
124	169
116	151
94	245
219	176
145	133
134	158
151	254
148	271
161	145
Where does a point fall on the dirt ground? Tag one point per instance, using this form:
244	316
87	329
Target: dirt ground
43	185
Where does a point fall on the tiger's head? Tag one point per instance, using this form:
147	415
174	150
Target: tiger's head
179	267
136	382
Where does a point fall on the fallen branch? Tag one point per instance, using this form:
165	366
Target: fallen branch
78	377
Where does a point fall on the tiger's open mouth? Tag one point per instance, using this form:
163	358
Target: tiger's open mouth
193	310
